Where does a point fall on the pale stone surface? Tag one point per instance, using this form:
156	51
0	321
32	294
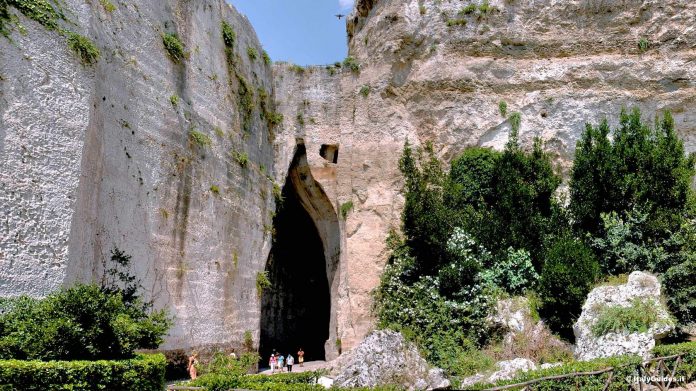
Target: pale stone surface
384	357
504	370
93	157
640	285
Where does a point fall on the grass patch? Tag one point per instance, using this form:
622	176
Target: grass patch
266	58
174	99
638	317
346	207
262	282
174	46
241	158
365	91
297	69
643	44
456	22
252	53
108	6
422	9
219	132
45	13
469	9
215	189
246	101
620	279
199	138
300	119
277	193
84	48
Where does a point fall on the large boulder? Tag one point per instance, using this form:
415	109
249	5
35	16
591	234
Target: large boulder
641	286
384	358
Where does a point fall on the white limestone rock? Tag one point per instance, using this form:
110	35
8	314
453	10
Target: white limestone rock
640	285
383	358
505	370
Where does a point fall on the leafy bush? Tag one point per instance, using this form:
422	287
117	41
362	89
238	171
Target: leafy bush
687	368
365	90
569	273
622	245
266	58
275	119
471	178
637	318
513	274
222	363
242	158
502	108
228	35
79	323
456	22
678	283
352	64
108	5
252	53
224	381
199	138
142	373
174	100
174	46
621	173
41	11
84	48
262	282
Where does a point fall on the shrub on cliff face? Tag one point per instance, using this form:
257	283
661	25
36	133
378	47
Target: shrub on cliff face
569	273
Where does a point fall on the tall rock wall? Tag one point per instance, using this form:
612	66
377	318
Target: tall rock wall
97	157
431	72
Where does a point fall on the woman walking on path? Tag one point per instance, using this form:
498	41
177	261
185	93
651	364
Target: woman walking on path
272	362
192	364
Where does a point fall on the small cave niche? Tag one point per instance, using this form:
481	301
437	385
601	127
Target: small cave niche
329	152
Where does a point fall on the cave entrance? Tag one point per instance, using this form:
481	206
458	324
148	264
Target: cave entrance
298	310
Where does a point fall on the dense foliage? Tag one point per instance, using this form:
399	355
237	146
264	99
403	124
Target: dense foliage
142	373
85	322
493	225
569	273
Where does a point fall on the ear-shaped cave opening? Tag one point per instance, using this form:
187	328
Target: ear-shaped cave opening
298	309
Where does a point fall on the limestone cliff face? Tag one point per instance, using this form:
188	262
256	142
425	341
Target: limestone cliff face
93	157
559	64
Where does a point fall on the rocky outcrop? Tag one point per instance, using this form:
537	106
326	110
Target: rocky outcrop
641	286
504	370
386	358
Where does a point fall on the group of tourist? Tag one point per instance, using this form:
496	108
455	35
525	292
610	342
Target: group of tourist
280	363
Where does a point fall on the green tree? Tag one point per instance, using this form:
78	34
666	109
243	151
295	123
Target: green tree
427	223
622	174
568	275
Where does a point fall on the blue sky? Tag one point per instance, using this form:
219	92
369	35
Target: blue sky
304	32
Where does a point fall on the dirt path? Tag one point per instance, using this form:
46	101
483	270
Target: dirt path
308	366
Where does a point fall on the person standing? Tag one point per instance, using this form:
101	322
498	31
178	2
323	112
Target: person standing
290	362
300	357
281	363
192	365
272	362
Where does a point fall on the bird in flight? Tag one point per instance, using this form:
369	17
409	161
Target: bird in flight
339	16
